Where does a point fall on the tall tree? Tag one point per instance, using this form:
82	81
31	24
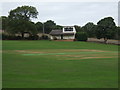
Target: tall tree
20	20
39	27
4	22
117	33
58	27
23	12
78	28
89	28
49	25
21	27
106	28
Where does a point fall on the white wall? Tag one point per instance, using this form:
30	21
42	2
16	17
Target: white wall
65	37
58	37
69	37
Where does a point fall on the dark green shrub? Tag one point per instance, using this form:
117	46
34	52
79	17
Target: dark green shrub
33	37
45	37
18	38
0	36
81	36
36	37
4	37
11	37
8	37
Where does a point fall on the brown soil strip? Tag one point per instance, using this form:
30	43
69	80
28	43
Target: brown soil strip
28	51
94	57
88	50
59	51
86	58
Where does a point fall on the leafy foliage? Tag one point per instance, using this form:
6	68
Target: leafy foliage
78	28
21	26
58	27
3	22
45	37
33	37
117	33
89	28
19	20
49	25
39	27
24	12
81	36
105	28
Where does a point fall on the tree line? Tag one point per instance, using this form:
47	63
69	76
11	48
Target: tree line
19	21
105	28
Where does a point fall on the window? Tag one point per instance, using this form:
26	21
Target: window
68	29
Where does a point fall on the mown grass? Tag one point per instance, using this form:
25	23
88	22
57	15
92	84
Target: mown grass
50	71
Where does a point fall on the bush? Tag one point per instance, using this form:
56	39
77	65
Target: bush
7	37
36	37
33	37
0	36
18	38
45	37
81	36
12	37
3	36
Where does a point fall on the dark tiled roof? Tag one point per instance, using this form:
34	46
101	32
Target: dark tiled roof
56	32
59	32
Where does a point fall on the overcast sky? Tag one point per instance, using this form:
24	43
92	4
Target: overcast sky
68	13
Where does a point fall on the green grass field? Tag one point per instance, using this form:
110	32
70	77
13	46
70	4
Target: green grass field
53	64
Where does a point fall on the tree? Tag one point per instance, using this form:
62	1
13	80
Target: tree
23	12
58	27
81	36
20	20
49	25
89	28
4	22
78	28
39	27
106	29
21	26
117	33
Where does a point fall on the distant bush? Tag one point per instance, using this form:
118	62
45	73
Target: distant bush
81	36
0	36
33	37
45	37
4	37
10	37
13	37
18	38
7	37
